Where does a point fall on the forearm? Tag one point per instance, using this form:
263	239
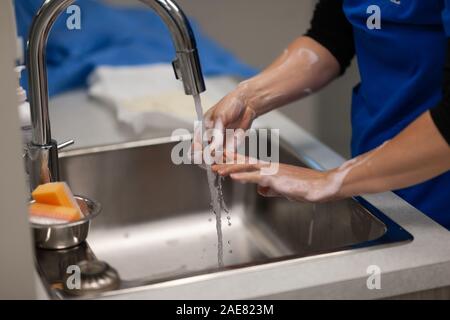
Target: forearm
415	155
304	67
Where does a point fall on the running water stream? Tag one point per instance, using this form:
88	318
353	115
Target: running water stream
215	188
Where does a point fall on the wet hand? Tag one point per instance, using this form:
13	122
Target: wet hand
234	111
292	182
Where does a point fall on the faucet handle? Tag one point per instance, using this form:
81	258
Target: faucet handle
65	144
176	69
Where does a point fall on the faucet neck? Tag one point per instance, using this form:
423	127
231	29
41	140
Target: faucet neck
43	151
37	69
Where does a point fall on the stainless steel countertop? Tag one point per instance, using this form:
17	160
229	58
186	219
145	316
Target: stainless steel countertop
419	265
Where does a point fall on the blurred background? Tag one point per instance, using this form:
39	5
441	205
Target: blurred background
257	31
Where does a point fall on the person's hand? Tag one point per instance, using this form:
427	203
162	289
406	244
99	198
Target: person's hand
294	183
234	111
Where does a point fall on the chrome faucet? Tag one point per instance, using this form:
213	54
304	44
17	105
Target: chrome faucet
43	150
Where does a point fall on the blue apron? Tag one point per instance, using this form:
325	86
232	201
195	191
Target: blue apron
401	67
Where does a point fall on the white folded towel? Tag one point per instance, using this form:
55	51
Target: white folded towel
146	96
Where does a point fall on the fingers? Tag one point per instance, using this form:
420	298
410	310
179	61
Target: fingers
209	118
232	157
234	139
217	136
196	153
248	173
232	111
207	145
215	115
227	169
247	118
234	162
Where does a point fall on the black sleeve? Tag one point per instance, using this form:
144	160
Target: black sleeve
330	27
441	113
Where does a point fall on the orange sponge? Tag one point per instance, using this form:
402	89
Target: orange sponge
56	199
56	194
54	212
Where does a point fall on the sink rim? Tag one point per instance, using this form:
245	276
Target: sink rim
122	146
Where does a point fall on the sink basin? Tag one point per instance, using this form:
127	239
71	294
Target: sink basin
156	224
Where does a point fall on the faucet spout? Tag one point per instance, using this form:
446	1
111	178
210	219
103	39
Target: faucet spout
187	63
43	151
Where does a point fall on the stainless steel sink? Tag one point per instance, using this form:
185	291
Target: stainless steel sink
156	224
